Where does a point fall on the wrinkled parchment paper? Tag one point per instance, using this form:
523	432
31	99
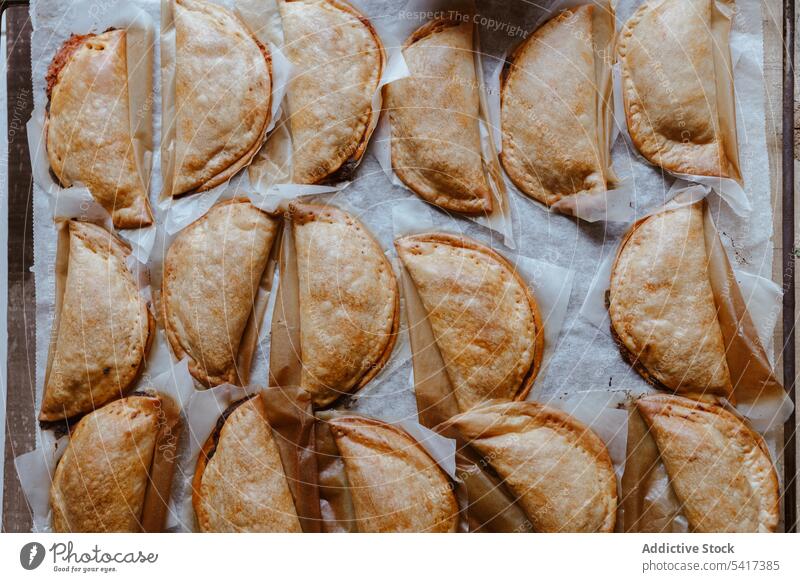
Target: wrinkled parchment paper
585	364
399	29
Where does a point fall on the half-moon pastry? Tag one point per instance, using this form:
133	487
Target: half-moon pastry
339	61
435	118
103	329
670	87
394	484
662	308
89	134
211	278
719	468
349	302
559	470
485	320
100	483
222	96
552	115
239	484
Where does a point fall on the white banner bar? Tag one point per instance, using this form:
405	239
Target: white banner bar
352	558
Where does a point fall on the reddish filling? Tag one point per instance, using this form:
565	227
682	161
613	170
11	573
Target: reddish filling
62	57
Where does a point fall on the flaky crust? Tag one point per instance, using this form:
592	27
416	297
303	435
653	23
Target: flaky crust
662	308
349	301
669	89
485	319
719	468
104	327
549	111
211	276
222	95
89	137
239	483
100	483
339	59
559	469
435	113
395	485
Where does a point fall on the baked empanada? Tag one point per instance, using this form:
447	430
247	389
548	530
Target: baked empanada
485	319
435	117
670	87
89	134
552	108
100	483
339	61
349	302
211	279
103	328
239	484
719	468
662	308
394	484
558	469
223	93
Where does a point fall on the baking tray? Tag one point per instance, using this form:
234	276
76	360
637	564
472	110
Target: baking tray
20	415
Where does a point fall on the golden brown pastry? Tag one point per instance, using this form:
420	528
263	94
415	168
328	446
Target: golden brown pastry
89	135
211	278
718	467
239	484
662	307
485	320
102	331
394	484
559	470
339	61
435	115
552	118
222	96
100	483
670	85
349	303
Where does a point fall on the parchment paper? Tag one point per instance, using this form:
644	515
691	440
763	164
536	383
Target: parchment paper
285	355
725	59
585	361
186	208
336	503
140	29
36	468
290	418
550	285
398	30
615	204
271	170
649	503
757	392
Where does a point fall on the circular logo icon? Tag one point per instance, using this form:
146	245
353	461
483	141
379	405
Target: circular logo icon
31	555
